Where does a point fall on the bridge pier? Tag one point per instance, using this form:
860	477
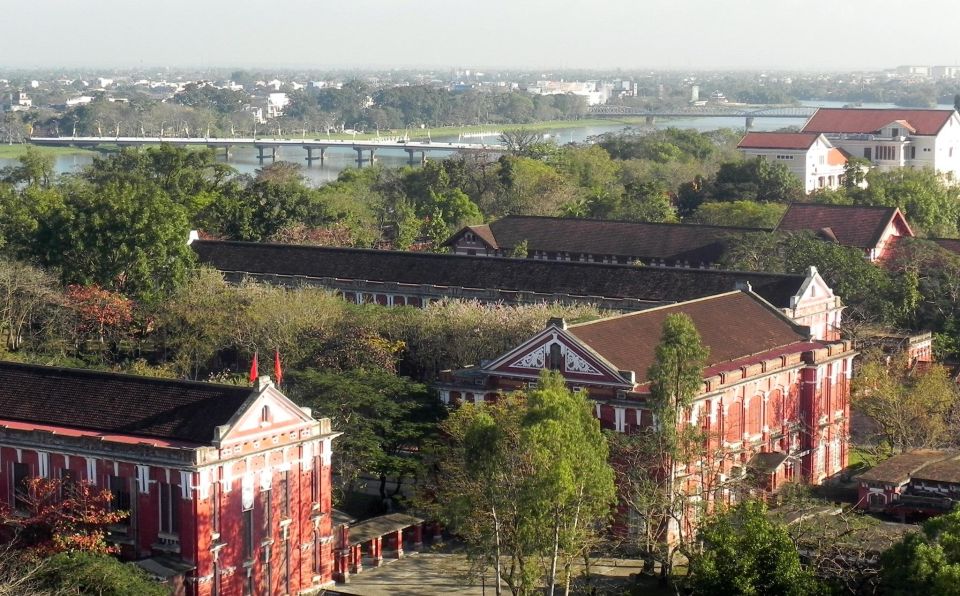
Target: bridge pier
410	154
226	151
360	158
310	158
261	156
749	123
650	120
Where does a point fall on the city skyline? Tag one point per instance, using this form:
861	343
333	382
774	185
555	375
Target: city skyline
531	34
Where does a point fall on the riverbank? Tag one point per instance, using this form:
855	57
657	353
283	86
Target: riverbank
493	130
16	151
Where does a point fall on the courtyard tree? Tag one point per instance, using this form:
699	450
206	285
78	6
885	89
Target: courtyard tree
524	478
675	377
747	553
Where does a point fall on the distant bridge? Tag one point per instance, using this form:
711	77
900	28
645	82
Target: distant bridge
267	147
748	113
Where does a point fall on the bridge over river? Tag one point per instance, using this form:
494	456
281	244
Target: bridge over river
267	147
748	113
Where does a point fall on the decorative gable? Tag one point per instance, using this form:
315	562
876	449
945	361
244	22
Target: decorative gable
267	412
813	290
556	349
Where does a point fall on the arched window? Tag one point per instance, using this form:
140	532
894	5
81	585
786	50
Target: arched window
265	415
556	358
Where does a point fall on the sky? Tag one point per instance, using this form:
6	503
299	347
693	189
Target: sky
821	35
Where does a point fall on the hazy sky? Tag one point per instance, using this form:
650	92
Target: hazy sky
656	34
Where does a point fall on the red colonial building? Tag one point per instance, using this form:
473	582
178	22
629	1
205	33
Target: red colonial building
228	488
874	230
774	400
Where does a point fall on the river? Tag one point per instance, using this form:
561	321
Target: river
244	159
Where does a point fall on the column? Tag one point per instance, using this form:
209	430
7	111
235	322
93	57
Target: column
418	537
376	550
397	538
357	557
437	533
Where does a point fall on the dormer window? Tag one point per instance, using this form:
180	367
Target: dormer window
894	132
469	237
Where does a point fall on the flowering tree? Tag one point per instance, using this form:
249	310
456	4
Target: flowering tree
98	312
56	516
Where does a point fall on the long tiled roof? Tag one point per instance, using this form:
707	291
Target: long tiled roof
672	242
851	225
866	121
115	404
778	140
734	325
661	284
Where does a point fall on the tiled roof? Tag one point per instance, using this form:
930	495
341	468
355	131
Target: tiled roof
734	326
672	242
851	225
899	468
951	244
483	232
778	140
860	120
117	404
660	284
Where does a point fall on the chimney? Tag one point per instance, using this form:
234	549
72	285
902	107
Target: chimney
557	322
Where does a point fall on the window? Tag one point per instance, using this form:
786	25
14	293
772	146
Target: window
913	151
556	358
286	566
215	507
867	153
119	494
247	530
169	512
21	472
265	415
316	552
894	132
285	494
267	503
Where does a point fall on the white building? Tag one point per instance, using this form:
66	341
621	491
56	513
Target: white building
810	156
891	139
595	93
275	104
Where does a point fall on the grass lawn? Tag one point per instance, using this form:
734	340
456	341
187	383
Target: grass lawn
15	151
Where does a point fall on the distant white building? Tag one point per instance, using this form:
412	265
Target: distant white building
809	156
595	93
103	82
945	72
275	104
79	101
893	139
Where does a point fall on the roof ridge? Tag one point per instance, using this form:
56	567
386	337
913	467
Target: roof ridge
626	221
67	371
655	309
543	262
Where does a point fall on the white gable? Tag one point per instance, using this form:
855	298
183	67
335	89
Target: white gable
267	411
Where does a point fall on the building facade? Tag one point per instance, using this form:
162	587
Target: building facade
228	488
919	483
893	139
808	156
774	399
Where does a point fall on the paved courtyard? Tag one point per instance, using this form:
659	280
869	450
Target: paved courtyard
447	573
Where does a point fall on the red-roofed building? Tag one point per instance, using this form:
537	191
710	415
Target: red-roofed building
228	488
892	139
871	229
774	400
810	156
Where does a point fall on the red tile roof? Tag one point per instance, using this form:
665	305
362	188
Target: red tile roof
636	240
735	326
778	140
851	225
117	404
859	120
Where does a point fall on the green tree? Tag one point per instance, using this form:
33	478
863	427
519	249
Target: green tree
99	575
35	168
748	214
130	238
757	180
926	562
386	421
676	377
911	410
746	553
929	203
523	478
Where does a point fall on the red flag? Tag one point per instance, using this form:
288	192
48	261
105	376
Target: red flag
254	373
277	370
